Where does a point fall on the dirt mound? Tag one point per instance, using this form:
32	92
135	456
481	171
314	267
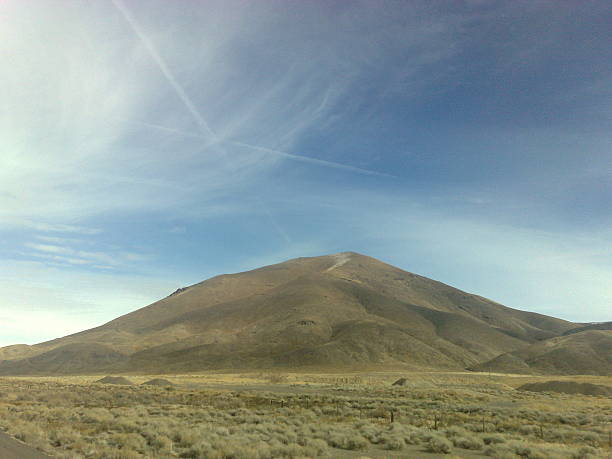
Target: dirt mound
158	382
400	382
568	387
115	380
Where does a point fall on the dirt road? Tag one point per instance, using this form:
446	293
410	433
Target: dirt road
12	449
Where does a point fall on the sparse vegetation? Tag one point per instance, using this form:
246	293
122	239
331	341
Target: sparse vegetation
302	416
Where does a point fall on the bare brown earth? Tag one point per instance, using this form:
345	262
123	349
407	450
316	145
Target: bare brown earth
342	310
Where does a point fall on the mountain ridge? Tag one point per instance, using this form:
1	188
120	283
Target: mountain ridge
327	311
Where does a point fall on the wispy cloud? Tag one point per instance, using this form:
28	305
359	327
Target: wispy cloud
294	157
161	63
169	138
56	227
83	98
210	135
107	259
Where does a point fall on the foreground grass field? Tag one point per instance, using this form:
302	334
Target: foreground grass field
305	415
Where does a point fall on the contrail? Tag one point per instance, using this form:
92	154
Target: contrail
204	126
164	68
307	159
200	119
304	159
213	138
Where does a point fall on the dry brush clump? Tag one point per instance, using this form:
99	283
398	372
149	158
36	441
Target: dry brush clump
93	420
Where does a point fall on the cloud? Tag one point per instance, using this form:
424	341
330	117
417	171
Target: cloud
78	85
51	227
108	259
178	88
266	130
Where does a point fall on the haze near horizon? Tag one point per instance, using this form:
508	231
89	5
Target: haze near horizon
149	147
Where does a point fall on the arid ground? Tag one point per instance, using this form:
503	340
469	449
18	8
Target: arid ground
265	415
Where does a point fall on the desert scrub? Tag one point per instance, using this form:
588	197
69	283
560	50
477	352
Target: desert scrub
438	444
493	439
391	441
278	378
29	432
345	439
64	437
468	442
81	420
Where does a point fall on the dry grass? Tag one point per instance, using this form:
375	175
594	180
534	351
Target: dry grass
260	415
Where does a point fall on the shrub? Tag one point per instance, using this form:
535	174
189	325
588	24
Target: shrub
438	444
278	378
347	441
454	431
129	441
527	451
316	447
29	433
499	452
393	442
63	436
160	443
493	439
467	442
529	429
586	452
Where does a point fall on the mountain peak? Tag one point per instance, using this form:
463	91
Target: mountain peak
329	311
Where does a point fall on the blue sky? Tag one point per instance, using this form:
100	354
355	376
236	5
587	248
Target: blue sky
147	146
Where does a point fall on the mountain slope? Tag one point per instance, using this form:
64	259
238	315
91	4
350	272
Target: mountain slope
596	326
67	359
586	352
335	310
15	351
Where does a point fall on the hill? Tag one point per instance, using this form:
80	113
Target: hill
15	351
586	352
594	326
70	358
337	310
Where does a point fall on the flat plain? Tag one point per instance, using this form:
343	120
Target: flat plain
273	414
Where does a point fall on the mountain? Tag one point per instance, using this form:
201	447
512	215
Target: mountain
341	310
15	351
584	352
593	326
